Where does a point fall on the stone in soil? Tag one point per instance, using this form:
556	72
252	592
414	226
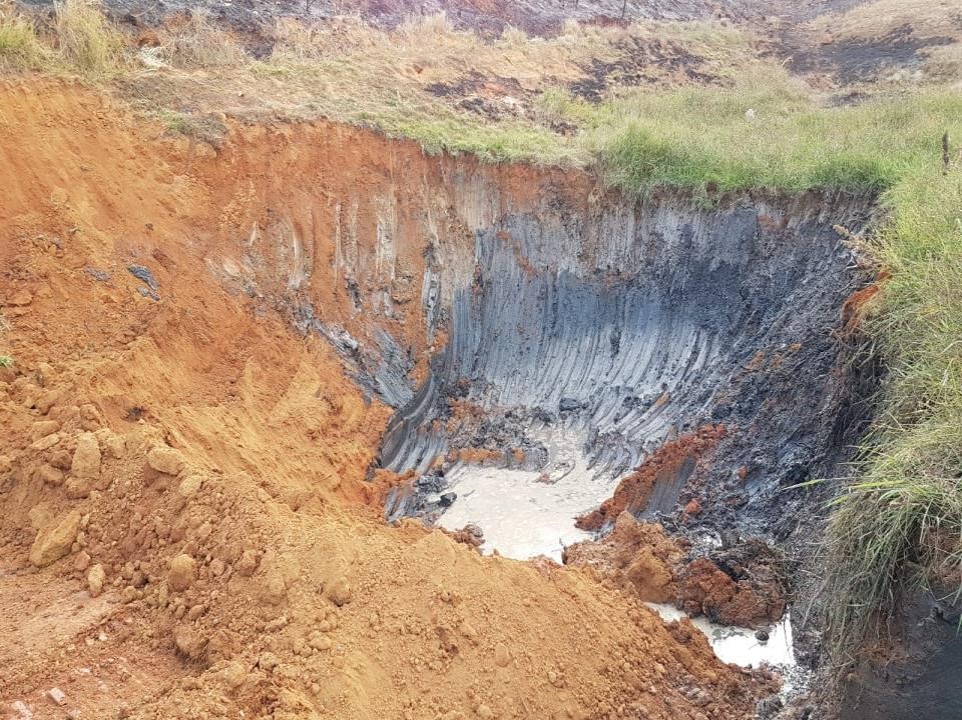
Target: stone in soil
54	541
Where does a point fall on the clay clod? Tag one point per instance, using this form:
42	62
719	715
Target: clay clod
181	574
166	460
55	540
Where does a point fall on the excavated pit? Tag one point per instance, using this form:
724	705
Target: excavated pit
581	342
516	320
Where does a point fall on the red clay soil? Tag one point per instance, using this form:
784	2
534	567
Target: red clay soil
856	304
741	586
665	463
638	557
738	586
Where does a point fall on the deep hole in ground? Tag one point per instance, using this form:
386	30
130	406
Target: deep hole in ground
584	333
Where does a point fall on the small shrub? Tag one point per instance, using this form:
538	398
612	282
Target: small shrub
6	361
85	37
422	27
296	39
208	129
557	105
512	37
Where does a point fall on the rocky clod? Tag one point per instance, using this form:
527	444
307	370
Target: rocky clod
86	458
84	467
190	485
95	580
340	591
54	541
166	460
181	574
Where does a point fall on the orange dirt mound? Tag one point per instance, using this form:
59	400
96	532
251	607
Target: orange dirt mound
185	527
635	556
741	586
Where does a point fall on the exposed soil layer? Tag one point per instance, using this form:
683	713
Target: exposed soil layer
635	556
185	523
911	671
744	585
696	344
666	471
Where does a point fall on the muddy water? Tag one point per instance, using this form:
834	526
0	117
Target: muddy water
528	513
525	514
739	645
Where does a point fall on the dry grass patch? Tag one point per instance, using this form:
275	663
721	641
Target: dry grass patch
198	43
874	20
85	38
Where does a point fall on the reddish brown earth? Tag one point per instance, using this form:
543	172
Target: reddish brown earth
185	525
634	556
741	586
663	465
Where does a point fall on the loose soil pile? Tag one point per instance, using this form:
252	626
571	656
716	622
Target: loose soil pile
744	585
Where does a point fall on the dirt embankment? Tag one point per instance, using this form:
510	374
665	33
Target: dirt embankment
671	464
185	525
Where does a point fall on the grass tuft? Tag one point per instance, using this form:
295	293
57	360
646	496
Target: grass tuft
20	49
6	361
200	44
906	506
86	39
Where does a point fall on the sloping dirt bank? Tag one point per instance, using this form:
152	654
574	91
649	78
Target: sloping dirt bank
185	523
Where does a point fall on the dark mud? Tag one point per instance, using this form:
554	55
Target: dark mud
641	322
914	674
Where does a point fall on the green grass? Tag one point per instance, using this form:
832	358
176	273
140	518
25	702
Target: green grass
508	142
6	361
906	506
20	49
701	137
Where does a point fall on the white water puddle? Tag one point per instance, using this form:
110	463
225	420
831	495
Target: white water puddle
739	645
523	513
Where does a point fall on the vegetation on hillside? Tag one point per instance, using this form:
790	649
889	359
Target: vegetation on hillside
750	126
905	507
